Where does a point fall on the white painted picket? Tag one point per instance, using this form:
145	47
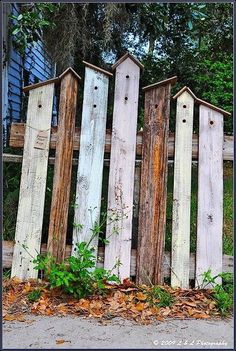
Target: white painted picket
210	193
182	190
91	156
33	182
122	164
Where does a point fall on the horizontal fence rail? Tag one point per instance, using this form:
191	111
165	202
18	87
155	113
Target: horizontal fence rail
18	131
228	261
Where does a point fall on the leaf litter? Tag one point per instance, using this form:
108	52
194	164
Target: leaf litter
125	300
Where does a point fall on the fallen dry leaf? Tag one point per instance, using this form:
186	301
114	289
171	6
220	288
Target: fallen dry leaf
60	341
141	297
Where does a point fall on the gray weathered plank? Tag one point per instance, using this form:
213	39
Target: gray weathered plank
122	163
210	193
182	191
91	156
33	182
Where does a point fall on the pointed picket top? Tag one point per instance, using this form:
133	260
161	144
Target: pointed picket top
171	81
69	70
207	104
123	58
98	69
50	81
183	90
40	84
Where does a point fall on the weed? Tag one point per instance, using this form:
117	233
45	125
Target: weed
77	275
34	295
222	293
6	274
159	297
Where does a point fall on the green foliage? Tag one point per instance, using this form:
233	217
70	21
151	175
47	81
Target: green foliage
11	185
6	273
215	84
222	293
27	26
160	297
77	275
34	295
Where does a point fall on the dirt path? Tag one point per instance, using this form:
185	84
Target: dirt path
77	332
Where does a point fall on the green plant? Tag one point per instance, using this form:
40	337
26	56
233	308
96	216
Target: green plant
77	275
159	297
222	293
27	26
6	274
34	295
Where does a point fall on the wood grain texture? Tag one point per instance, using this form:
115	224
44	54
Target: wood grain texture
91	156
228	261
33	182
63	165
182	191
18	130
152	207
122	164
210	193
137	177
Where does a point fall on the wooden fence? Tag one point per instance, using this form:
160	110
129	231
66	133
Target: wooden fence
128	176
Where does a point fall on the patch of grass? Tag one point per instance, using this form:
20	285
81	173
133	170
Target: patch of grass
34	295
160	297
6	273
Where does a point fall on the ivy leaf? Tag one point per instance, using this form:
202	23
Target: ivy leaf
15	31
190	25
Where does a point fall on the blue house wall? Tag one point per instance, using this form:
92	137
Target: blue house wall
34	67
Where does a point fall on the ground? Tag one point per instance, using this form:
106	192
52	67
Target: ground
68	332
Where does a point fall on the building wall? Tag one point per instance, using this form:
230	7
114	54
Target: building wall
36	66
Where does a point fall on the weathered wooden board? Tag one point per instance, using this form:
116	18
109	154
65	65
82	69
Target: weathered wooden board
137	178
152	207
228	261
210	193
121	176
63	166
91	156
182	191
18	130
33	182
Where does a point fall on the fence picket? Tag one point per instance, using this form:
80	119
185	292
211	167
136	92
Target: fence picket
152	207
33	182
122	164
210	193
182	190
92	145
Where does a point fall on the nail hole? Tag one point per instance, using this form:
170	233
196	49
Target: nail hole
28	269
74	249
95	88
20	253
156	106
211	122
94	106
20	265
184	106
184	120
126	98
40	106
127	76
